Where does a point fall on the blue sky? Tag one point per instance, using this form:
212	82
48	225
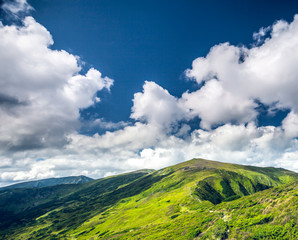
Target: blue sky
104	87
134	41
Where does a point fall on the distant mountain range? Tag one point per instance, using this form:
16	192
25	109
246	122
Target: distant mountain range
50	182
198	199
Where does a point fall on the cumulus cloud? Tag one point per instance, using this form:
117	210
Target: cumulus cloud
41	90
266	73
214	105
290	125
157	106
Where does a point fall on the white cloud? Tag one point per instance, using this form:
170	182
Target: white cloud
259	36
145	146
290	125
288	160
38	171
102	124
267	73
41	89
156	158
232	137
214	105
156	106
16	7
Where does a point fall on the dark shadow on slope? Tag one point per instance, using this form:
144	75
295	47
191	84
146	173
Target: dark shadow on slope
206	192
233	186
227	189
243	189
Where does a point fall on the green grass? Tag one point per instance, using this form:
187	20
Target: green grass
195	199
251	217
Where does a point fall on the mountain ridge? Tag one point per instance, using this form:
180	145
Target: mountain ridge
48	182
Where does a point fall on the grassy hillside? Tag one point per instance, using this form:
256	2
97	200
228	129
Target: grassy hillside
198	198
271	214
22	206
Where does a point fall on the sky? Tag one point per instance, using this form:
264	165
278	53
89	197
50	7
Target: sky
99	88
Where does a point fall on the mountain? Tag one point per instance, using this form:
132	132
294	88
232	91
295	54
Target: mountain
22	205
195	199
50	182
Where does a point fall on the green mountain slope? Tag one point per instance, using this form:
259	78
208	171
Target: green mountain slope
270	214
20	206
198	198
